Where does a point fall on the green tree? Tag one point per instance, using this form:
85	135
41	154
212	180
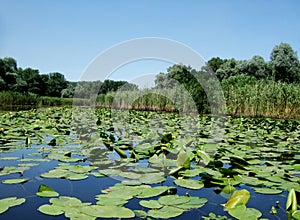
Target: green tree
32	79
215	63
256	67
55	84
227	69
285	64
8	68
184	76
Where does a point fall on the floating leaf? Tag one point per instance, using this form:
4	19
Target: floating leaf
107	211
151	192
46	191
173	200
165	212
151	204
140	213
15	181
51	210
194	203
241	212
112	201
151	178
6	203
267	191
189	183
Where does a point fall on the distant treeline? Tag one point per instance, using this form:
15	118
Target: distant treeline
251	87
30	81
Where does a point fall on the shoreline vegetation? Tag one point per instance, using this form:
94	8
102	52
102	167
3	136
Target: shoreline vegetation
261	99
250	88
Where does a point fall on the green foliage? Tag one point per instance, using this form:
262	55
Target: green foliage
246	95
285	64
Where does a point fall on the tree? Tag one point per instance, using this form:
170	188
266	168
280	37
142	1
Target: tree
31	77
285	64
8	67
55	84
215	63
227	69
256	67
180	75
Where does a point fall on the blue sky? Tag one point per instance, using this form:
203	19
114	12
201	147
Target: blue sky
66	35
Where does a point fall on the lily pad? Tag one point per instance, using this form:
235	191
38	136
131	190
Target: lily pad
244	213
46	191
267	191
151	192
151	204
165	212
15	181
189	183
173	200
151	178
51	210
107	211
9	202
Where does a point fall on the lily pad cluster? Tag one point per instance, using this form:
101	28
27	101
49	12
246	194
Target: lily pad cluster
7	203
70	172
144	149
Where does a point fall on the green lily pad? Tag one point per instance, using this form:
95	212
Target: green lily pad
151	178
189	183
242	212
173	200
51	210
140	213
194	203
15	181
267	191
65	201
151	204
165	212
9	202
151	192
107	211
75	176
112	201
46	191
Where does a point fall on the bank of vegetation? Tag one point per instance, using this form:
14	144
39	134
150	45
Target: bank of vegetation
253	87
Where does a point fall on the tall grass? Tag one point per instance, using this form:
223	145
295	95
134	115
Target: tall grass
19	101
258	98
244	95
148	99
